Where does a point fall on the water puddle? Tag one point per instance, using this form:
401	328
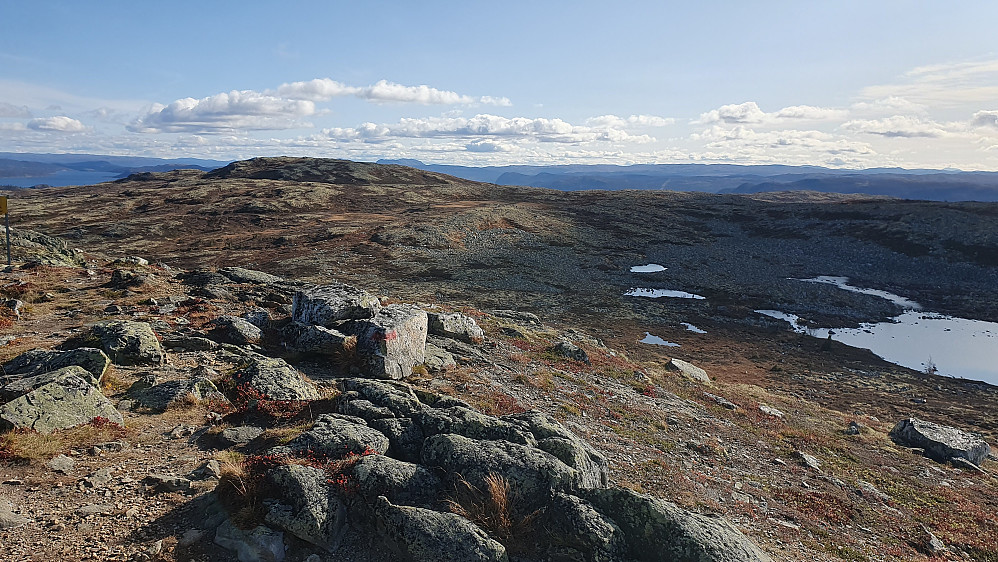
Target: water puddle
692	328
649	268
843	283
655	340
658	293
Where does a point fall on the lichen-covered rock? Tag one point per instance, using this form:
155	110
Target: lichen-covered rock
554	438
401	482
129	343
39	361
242	275
470	423
397	397
275	379
532	472
364	409
392	342
21	386
455	326
307	506
261	544
437	359
405	437
327	305
238	330
66	402
688	370
335	437
574	525
309	338
422	534
569	350
659	530
940	442
161	396
34	247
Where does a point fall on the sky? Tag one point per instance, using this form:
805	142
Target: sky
845	84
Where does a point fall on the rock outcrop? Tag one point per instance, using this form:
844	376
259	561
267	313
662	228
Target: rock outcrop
941	443
129	343
59	400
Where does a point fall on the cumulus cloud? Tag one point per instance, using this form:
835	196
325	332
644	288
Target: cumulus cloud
488	145
233	111
325	89
985	118
750	113
902	126
538	129
615	122
15	127
15	111
60	123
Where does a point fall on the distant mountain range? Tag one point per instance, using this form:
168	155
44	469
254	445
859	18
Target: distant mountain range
935	185
26	169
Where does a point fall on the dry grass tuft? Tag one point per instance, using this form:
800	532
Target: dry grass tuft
31	446
495	509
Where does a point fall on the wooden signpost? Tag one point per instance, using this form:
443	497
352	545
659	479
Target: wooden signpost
6	222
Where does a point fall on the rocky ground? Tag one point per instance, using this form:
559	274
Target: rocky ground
787	439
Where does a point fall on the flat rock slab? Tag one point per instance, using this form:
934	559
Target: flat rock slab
240	435
424	534
242	275
163	395
456	326
941	442
61	404
335	437
22	386
38	361
688	370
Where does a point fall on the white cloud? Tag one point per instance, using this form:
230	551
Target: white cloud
487	145
750	113
903	126
538	129
233	111
943	85
325	89
12	127
615	122
985	118
16	111
60	123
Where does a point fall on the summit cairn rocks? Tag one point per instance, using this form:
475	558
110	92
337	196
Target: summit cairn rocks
393	341
941	443
327	305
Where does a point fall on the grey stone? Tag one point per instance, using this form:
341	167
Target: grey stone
61	463
771	411
397	397
238	330
401	482
309	338
866	489
129	343
392	342
261	544
242	275
168	482
67	402
573	523
335	438
259	317
38	361
437	359
809	461
22	386
405	437
190	343
9	519
941	443
424	534
163	395
688	370
470	423
240	435
456	326
532	472
307	507
210	469
571	351
275	379
554	438
364	409
99	479
328	304
31	246
659	530
721	401
109	447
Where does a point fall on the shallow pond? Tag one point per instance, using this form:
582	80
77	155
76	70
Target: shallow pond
655	340
659	293
648	268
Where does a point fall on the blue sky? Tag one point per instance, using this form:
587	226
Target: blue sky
843	84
